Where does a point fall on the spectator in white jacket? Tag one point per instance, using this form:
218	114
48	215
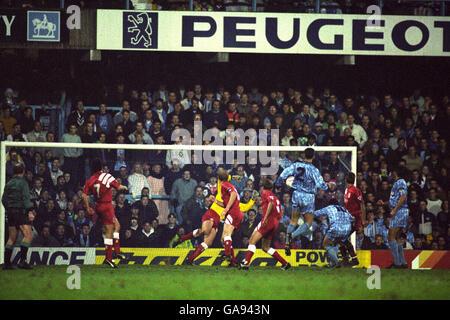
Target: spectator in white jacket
357	131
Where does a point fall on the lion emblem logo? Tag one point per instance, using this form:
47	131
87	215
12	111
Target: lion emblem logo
141	27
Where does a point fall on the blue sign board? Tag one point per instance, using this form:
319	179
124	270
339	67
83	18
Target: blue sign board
44	26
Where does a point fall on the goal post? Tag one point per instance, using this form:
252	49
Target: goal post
202	150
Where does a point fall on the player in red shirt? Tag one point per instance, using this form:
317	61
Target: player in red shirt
354	203
266	228
231	212
99	184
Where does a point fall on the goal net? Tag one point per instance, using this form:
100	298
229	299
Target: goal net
170	174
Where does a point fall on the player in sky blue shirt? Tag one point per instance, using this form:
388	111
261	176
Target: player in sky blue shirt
399	218
340	221
307	179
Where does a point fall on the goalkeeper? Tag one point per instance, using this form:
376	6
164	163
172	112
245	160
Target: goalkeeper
307	179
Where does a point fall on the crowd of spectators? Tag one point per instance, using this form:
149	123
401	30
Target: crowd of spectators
168	193
400	7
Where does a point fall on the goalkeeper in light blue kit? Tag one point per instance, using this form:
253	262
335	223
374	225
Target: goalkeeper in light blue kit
399	219
340	227
307	179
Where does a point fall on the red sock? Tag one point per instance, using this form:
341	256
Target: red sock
233	259
249	255
227	244
116	243
189	236
277	256
109	246
201	247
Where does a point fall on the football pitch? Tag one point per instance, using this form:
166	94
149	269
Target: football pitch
136	282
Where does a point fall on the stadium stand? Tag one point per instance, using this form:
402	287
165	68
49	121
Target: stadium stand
406	128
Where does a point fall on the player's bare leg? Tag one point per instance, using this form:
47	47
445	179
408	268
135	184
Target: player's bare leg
256	236
209	235
308	219
291	228
228	243
206	228
109	234
12	231
116	241
26	241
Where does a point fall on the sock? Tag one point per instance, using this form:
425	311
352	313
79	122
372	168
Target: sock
332	255
343	251
233	259
116	242
277	256
250	251
23	251
301	230
401	255
202	247
8	253
348	245
394	250
227	244
190	235
108	245
290	228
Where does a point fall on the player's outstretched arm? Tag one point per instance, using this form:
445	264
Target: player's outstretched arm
122	188
86	204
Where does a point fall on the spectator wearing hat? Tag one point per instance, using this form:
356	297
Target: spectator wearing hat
319	133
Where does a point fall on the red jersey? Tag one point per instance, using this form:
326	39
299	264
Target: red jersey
100	185
226	190
353	199
268	197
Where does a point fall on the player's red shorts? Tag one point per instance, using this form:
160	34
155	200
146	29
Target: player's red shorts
358	217
269	230
234	218
106	213
213	216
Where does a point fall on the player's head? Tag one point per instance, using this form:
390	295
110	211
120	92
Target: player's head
350	178
96	165
397	173
333	202
268	184
18	169
309	153
222	174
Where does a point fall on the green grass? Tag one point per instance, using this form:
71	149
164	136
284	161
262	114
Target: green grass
204	283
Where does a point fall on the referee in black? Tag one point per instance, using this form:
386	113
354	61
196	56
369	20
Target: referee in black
18	208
